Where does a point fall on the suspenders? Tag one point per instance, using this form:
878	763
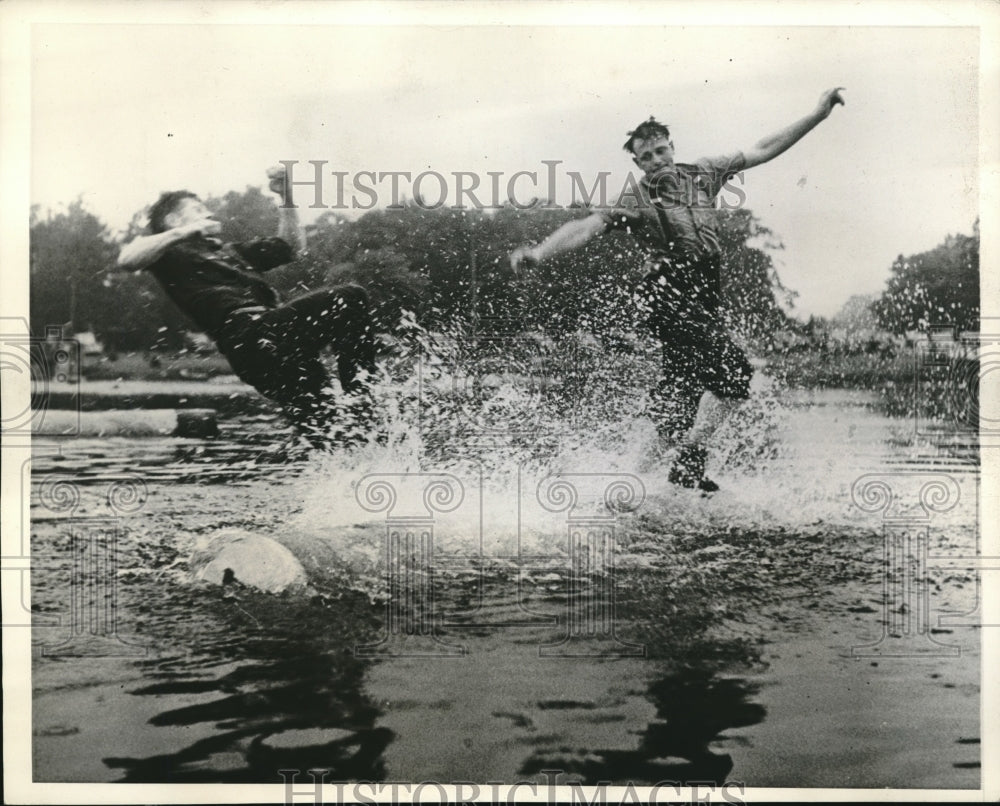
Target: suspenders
703	236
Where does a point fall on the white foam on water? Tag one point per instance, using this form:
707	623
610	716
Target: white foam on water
255	560
780	462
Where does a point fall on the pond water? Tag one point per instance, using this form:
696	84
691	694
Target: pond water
787	631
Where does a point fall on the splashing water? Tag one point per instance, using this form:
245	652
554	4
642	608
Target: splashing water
502	421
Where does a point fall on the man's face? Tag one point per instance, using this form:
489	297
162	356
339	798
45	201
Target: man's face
652	154
188	211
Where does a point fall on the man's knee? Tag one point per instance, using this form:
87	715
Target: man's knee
354	296
735	386
727	371
675	405
736	379
674	422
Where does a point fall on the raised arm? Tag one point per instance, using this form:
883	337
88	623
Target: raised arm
145	250
288	216
775	144
571	235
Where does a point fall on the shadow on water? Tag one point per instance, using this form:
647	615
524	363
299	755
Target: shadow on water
699	613
289	696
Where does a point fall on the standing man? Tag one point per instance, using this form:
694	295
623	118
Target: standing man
673	217
271	345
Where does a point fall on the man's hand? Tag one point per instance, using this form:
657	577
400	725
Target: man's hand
769	147
828	100
206	226
288	220
276	180
524	257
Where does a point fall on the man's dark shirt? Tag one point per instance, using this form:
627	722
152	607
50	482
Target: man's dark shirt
208	279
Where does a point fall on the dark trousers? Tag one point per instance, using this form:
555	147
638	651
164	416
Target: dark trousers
693	364
276	350
680	303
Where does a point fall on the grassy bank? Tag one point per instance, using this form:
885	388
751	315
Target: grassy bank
907	384
816	370
154	366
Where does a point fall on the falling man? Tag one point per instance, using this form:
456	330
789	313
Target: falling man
273	346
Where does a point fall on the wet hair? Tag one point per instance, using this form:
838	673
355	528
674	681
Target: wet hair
164	206
646	130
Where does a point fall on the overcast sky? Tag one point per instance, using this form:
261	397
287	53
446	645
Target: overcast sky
122	112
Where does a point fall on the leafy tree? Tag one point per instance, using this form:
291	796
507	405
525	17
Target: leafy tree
937	287
373	252
857	314
142	316
448	266
254	214
70	255
74	284
750	282
590	289
452	265
245	216
385	274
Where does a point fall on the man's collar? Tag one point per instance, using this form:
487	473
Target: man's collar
649	179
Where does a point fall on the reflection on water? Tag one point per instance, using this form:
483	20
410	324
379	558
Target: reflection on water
274	684
236	689
289	696
693	709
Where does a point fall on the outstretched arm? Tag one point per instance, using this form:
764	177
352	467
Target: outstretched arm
288	216
569	236
773	145
145	250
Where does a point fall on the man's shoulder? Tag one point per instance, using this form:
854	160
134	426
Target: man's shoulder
265	252
724	163
626	212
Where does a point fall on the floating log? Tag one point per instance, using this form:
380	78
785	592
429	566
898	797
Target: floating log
197	423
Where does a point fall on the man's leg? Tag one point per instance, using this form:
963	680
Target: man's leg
301	385
712	413
679	399
307	399
337	316
677	393
725	374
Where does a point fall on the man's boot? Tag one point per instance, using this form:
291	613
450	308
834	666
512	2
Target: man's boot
689	470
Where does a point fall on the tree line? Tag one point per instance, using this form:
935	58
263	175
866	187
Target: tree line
932	288
450	266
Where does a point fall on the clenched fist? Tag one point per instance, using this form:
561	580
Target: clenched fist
828	100
277	177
